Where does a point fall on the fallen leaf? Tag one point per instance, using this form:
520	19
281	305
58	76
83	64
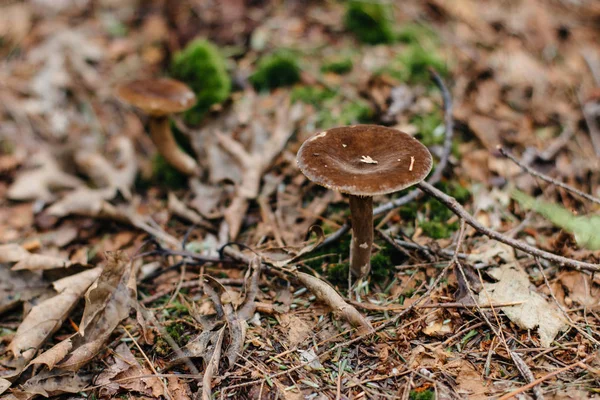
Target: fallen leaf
52	383
41	182
581	288
585	228
46	317
16	287
124	366
470	382
104	174
4	384
179	389
212	367
108	302
513	285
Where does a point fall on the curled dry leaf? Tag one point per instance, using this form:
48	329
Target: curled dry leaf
513	285
10	253
16	287
581	289
179	389
178	208
51	383
4	384
123	366
108	302
48	316
327	294
212	367
104	174
39	183
94	203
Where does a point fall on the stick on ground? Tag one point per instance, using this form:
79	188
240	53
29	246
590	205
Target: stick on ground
457	209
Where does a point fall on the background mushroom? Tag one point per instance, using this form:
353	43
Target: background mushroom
363	161
159	98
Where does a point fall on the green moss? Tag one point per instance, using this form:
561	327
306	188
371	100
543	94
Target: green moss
337	274
338	66
437	226
382	264
430	128
202	67
165	175
413	63
311	94
414	33
176	330
358	111
416	60
422	395
278	69
370	21
438	230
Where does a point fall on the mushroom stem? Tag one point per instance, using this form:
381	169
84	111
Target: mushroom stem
361	210
160	132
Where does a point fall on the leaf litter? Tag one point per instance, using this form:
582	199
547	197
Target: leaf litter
280	319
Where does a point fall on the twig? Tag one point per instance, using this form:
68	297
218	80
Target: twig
397	307
590	112
546	178
457	209
546	377
154	371
526	373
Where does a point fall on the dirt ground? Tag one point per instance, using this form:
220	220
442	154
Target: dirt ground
124	274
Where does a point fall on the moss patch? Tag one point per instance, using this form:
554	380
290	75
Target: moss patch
338	66
165	175
369	21
422	395
202	67
278	69
311	95
437	226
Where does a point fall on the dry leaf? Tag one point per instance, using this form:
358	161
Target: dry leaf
513	285
48	316
4	384
581	288
40	183
212	367
16	287
108	302
104	174
52	383
179	389
11	253
39	262
125	366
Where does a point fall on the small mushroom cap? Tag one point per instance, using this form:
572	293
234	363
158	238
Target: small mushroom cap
364	160
157	97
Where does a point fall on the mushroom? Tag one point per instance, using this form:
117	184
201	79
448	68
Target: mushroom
159	98
363	161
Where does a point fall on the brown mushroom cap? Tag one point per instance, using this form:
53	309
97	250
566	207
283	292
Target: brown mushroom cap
364	160
157	97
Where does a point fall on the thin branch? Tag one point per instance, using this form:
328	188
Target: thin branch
457	209
546	377
547	178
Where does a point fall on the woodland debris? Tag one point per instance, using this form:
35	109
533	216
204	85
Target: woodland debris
513	285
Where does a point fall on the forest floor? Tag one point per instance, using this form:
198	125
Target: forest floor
121	277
